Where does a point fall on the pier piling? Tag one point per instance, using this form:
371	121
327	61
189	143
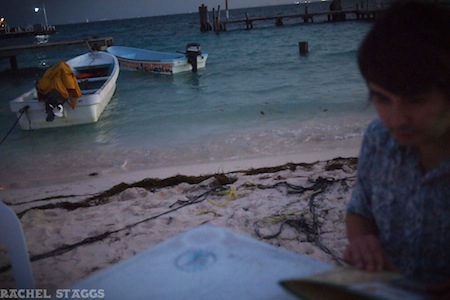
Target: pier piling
204	21
303	47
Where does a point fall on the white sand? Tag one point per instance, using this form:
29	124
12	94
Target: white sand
305	204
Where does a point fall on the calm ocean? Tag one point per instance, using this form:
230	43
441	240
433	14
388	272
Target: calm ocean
256	97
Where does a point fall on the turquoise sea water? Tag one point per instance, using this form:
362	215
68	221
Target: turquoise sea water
256	97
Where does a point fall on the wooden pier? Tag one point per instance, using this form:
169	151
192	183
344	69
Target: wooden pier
335	16
30	30
306	17
92	44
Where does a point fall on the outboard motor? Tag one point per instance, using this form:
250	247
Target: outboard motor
54	105
192	51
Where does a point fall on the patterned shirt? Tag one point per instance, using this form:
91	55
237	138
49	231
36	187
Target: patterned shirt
410	208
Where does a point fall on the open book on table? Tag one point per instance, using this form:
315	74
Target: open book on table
350	283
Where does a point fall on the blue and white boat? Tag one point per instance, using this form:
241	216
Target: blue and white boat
137	59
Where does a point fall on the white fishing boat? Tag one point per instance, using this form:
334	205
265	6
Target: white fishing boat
96	74
136	59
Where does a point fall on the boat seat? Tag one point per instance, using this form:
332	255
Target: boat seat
87	92
91	79
11	236
92	71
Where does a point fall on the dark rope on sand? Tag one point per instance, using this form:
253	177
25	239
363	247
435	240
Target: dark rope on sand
300	224
102	198
221	180
90	240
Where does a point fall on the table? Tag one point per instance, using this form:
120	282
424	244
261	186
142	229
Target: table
206	262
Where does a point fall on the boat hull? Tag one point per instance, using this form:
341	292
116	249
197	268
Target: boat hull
134	59
89	106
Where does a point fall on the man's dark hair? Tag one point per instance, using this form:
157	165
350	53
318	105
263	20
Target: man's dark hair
407	51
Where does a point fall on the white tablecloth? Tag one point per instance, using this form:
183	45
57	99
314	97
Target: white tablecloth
204	263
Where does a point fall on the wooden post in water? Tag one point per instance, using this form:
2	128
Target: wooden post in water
214	19
218	25
13	62
303	47
279	21
204	22
227	15
248	22
306	17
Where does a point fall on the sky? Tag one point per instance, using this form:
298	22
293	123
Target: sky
21	12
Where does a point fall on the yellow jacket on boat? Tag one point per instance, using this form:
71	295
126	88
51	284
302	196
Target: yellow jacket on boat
60	77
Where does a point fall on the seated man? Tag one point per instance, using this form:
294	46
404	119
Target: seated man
399	214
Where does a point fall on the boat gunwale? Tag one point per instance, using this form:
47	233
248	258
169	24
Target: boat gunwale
166	56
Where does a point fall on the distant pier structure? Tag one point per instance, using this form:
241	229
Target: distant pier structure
7	32
93	44
334	14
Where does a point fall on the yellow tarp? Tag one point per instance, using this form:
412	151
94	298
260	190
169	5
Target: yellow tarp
60	77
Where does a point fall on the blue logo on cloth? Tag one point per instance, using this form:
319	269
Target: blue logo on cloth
195	260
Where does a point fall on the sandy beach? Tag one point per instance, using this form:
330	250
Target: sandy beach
76	228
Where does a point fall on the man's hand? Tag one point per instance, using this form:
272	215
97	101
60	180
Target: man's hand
364	250
365	253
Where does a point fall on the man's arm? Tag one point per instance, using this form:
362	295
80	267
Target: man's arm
364	250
